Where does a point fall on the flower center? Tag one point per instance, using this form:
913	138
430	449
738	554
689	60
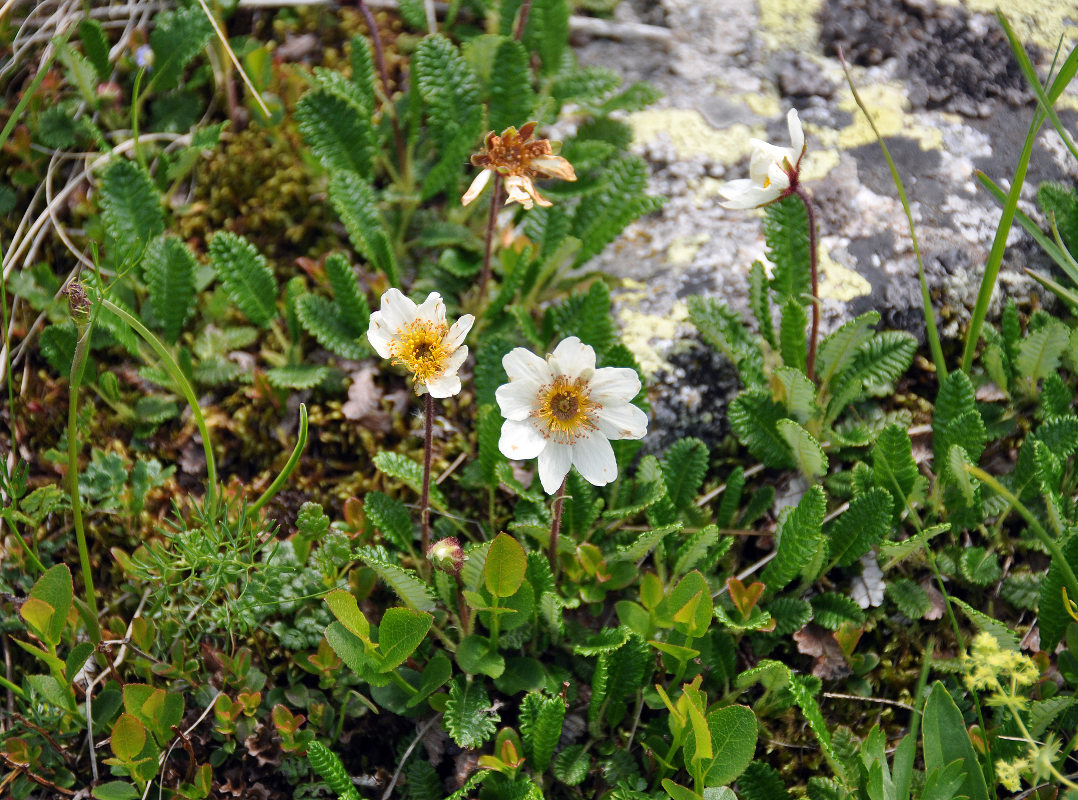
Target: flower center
420	347
565	409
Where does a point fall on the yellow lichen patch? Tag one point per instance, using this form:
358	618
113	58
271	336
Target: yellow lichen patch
818	162
889	107
762	104
1036	21
682	251
790	24
692	135
839	282
640	330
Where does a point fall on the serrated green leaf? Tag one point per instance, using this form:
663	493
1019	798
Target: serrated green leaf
512	98
695	549
792	338
178	36
799	537
760	302
339	132
786	234
390	517
861	527
684	465
571	765
1003	634
839	348
130	208
96	46
169	271
404	582
1040	353
323	320
879	361
540	722
362	62
912	600
754	416
347	296
404	469
893	467
469	718
807	453
587	316
832	611
297	376
357	205
723	329
246	276
547	32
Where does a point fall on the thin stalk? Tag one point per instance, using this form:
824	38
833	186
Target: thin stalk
492	220
174	372
136	104
1052	544
26	548
814	271
383	74
522	20
926	297
555	526
78	369
428	452
278	482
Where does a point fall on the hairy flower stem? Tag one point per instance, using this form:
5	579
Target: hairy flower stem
492	219
555	526
522	20
383	74
814	270
424	498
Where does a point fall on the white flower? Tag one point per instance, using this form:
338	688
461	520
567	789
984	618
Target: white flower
773	170
565	412
419	338
144	56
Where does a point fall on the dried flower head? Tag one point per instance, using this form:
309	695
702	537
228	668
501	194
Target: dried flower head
418	338
519	159
78	303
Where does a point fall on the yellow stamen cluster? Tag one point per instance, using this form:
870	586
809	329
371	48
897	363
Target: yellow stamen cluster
512	152
420	347
565	409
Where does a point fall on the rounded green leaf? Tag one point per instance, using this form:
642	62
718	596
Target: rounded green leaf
474	655
505	566
401	631
733	740
128	737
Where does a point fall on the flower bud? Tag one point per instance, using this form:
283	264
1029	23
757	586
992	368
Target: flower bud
144	56
446	555
78	304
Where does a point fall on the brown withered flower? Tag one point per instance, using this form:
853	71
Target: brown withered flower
518	159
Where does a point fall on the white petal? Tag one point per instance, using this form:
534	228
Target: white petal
555	167
763	156
614	385
445	385
622	421
554	463
456	358
516	191
379	335
458	331
594	459
797	134
432	309
477	186
520	440
516	399
780	179
573	358
398	309
753	198
521	364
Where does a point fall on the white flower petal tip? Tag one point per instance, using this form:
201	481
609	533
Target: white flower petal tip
476	188
419	338
565	412
773	170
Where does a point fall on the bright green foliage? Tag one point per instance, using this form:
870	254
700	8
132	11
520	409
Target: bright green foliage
861	527
1039	354
404	582
357	205
330	769
838	349
684	465
754	417
586	315
807	453
956	421
130	208
468	717
878	363
979	566
1061	201
362	63
786	234
246	276
547	32
334	331
347	295
722	329
512	98
761	782
540	722
946	740
799	538
404	469
622	671
178	36
731	498
792	339
169	271
400	632
450	95
297	376
619	200
911	599
338	132
832	610
590	83
790	614
1053	618
696	547
390	517
893	467
760	302
503	571
571	765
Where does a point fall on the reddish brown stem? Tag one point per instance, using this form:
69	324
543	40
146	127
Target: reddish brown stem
814	335
495	206
383	74
555	526
424	499
522	20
